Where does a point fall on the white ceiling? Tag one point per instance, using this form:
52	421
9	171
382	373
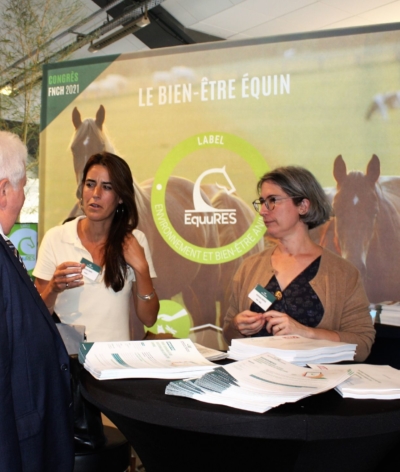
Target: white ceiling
238	19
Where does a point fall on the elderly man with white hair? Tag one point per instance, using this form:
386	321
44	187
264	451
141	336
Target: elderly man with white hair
36	432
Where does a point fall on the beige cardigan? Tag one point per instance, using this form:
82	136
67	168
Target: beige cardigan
338	285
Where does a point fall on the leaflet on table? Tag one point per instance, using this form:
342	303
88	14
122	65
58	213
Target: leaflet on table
321	358
368	381
258	384
268	372
388	313
210	354
389	305
167	358
292	348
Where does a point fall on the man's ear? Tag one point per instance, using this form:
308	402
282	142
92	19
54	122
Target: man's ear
4	184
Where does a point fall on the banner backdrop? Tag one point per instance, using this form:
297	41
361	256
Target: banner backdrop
24	237
200	124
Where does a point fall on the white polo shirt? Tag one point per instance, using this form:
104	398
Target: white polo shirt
103	312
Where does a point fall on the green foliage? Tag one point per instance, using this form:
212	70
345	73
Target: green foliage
27	30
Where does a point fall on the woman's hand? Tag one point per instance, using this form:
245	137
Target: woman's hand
279	324
146	310
67	275
134	254
247	322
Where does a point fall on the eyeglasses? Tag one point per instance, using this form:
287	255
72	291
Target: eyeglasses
269	202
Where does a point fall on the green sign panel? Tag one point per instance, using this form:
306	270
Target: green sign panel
61	85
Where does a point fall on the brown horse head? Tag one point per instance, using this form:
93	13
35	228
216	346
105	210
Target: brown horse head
89	139
356	207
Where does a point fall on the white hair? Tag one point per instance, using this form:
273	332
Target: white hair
13	154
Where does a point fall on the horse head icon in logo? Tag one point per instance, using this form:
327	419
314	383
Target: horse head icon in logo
199	204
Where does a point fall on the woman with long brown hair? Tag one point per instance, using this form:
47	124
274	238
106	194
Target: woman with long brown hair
113	255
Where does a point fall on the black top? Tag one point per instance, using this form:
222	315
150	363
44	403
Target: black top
299	300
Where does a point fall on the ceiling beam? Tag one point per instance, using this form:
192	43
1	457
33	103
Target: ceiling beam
164	30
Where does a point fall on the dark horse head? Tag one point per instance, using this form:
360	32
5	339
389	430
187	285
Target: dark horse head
356	207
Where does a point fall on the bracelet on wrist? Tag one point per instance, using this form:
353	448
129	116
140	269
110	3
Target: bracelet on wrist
146	298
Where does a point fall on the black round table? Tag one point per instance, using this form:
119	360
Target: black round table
320	433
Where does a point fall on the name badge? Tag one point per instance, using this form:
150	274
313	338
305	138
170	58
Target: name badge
262	297
91	271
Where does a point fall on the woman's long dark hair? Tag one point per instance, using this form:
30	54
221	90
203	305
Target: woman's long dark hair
126	217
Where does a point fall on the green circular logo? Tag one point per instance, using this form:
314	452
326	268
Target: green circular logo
172	319
184	248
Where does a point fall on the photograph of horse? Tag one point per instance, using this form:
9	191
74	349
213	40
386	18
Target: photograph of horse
87	140
366	227
199	284
382	103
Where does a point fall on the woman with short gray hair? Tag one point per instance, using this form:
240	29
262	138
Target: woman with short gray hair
318	295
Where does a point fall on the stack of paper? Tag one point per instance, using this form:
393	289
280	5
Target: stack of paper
380	382
210	354
293	348
388	313
258	384
156	359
